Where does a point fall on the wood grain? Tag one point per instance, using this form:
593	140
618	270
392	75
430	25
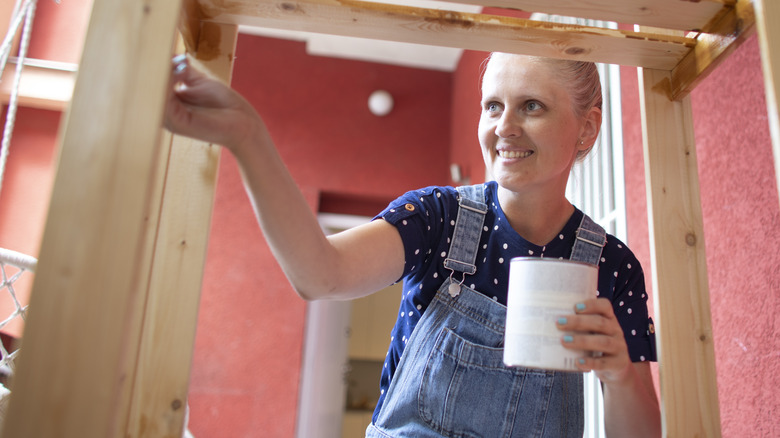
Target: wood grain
81	335
728	33
454	29
689	391
687	15
171	312
189	24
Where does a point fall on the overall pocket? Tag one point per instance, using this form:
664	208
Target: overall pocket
466	391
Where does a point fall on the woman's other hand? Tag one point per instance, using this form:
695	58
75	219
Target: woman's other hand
596	329
630	404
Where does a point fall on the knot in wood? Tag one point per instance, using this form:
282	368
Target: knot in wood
690	239
450	18
288	7
575	51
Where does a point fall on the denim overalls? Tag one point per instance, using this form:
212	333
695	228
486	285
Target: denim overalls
451	380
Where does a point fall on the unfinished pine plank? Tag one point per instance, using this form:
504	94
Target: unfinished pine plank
672	14
689	394
454	29
81	336
39	87
189	24
768	11
164	363
712	48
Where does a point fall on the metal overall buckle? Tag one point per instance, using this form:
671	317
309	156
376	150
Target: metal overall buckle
454	288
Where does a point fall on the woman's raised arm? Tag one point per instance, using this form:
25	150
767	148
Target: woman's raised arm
347	265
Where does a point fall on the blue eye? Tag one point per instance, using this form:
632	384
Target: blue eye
533	106
492	107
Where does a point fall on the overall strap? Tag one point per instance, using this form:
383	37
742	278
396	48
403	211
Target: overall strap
468	229
589	243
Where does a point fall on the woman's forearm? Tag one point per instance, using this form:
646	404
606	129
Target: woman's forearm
630	406
352	264
286	219
317	267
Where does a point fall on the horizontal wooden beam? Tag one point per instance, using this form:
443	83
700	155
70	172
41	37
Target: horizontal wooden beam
712	48
687	15
40	87
189	24
454	29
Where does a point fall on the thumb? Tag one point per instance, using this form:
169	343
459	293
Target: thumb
194	87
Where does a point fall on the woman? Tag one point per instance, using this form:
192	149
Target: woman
538	117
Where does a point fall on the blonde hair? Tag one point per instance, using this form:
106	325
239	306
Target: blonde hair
583	81
584	84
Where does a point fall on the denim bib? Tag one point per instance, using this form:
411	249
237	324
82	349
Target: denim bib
451	380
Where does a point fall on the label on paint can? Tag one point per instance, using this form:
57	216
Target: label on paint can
540	291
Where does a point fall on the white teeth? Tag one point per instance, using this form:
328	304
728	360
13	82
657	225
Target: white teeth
514	154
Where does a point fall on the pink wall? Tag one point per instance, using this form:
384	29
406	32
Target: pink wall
250	333
58	33
741	212
59	30
317	110
465	150
24	198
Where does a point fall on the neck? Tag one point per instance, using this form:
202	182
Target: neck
538	219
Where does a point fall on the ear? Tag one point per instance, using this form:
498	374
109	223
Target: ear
591	126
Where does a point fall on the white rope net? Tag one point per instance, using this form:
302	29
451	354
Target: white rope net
13	265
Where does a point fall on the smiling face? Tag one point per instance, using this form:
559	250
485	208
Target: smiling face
528	129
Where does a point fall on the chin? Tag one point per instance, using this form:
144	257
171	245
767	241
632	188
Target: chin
506	181
511	181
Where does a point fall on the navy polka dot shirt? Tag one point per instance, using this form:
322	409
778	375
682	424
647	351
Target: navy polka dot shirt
426	221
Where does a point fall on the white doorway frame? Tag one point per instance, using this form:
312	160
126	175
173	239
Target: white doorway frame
323	388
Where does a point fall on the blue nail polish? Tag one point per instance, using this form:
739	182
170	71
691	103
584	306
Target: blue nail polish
179	58
568	338
180	67
562	321
580	307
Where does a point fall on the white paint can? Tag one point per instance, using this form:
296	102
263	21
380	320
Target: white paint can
540	291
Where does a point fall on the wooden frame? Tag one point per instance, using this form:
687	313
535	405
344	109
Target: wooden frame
110	192
689	390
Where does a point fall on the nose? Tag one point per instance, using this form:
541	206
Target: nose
508	126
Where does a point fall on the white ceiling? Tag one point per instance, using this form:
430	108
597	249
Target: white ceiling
386	52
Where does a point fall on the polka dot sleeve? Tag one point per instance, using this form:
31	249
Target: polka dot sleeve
629	301
419	216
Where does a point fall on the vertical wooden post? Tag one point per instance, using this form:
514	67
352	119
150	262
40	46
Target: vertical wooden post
164	362
81	337
689	391
768	11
